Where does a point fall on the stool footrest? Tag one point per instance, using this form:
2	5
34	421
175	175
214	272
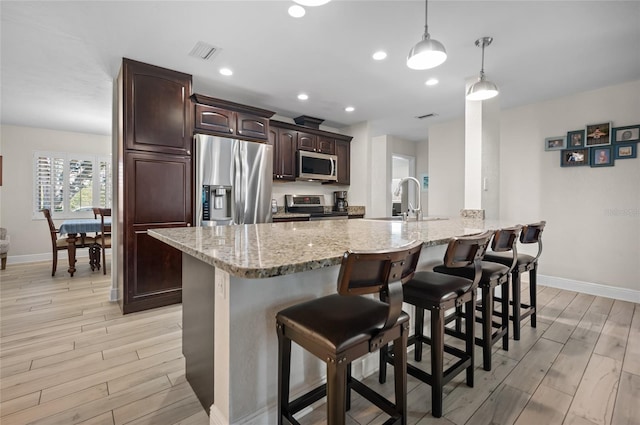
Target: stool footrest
375	398
307	399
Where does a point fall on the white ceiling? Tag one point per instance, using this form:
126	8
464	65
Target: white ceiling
59	59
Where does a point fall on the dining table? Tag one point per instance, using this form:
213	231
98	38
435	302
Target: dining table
79	227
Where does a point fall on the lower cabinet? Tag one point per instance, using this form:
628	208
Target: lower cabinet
157	192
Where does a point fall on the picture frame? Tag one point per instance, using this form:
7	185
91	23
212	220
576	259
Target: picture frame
598	134
630	133
555	143
625	150
575	139
601	156
574	157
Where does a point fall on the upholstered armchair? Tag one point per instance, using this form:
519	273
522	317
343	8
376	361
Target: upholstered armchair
4	247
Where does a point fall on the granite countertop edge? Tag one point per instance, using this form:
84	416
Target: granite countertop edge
274	249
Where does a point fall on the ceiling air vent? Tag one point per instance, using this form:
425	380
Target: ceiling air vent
203	51
432	115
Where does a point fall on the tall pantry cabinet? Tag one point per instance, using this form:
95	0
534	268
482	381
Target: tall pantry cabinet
154	129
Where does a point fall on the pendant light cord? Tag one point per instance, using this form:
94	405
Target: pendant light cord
426	14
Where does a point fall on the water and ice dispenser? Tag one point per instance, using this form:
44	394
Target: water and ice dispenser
216	205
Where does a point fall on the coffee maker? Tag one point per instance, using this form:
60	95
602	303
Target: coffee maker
340	201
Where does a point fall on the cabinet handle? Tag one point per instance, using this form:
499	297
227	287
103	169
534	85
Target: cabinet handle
231	130
188	224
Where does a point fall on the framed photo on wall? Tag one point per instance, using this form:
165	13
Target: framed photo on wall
574	157
627	134
601	157
575	139
625	150
555	143
598	134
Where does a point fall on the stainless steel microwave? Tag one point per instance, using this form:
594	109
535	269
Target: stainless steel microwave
317	166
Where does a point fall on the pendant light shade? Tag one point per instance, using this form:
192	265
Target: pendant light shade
482	89
427	53
312	2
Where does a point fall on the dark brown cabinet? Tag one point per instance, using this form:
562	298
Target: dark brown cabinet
307	142
289	138
343	152
224	118
326	145
154	180
315	143
284	153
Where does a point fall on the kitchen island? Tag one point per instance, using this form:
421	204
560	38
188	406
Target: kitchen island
235	280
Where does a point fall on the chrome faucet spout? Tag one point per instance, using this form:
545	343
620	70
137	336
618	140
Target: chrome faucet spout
417	211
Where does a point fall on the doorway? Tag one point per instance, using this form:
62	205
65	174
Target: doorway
402	166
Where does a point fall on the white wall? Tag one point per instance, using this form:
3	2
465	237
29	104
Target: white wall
30	240
446	168
592	236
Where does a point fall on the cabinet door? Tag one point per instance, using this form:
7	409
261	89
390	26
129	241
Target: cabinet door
307	142
286	156
326	145
214	119
157	109
343	151
248	125
157	191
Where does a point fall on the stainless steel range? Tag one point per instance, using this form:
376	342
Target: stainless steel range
314	206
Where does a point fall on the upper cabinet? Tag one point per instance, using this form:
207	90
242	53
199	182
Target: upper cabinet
157	110
284	153
224	118
288	138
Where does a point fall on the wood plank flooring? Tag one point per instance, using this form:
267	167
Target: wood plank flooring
68	356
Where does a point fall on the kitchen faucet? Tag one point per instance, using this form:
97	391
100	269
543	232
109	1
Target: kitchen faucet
416	211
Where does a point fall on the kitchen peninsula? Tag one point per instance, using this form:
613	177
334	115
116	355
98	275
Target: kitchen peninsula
235	280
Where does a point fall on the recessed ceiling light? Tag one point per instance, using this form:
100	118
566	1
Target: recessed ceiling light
303	96
297	11
432	81
379	55
349	109
226	71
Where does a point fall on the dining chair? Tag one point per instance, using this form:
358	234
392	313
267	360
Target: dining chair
104	238
61	244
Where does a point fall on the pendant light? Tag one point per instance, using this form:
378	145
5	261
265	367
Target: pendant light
312	3
482	89
427	53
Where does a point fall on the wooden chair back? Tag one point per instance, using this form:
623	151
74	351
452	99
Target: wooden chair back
382	272
52	229
463	251
532	233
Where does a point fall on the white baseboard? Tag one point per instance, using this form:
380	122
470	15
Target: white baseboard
597	289
34	258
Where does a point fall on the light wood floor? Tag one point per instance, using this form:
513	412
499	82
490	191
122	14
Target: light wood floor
68	356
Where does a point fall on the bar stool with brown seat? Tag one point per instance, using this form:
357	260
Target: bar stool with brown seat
438	293
531	233
343	327
493	275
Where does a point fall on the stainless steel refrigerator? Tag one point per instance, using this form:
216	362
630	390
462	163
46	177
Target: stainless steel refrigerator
233	181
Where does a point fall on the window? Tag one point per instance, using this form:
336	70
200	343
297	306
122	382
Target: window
70	184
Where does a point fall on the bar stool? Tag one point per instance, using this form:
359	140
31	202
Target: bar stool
493	275
531	233
343	327
438	292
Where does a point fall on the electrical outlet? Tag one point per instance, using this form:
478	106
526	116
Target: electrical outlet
220	289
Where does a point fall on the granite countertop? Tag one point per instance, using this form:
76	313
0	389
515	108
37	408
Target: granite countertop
275	249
